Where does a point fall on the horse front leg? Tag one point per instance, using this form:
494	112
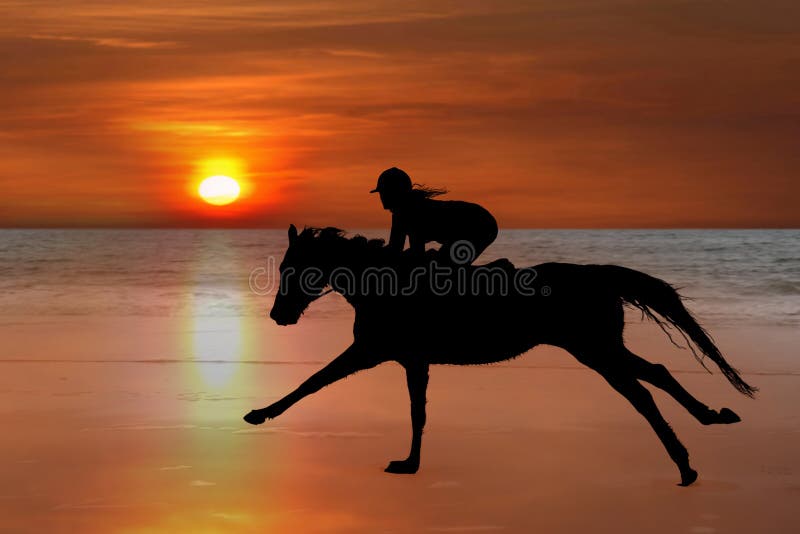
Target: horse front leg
417	379
351	361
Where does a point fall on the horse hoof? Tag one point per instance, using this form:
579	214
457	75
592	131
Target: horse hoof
688	477
255	417
728	416
725	416
402	467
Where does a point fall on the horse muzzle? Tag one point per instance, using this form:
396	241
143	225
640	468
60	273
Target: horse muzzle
283	319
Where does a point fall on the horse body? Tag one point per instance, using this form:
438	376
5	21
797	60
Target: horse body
576	307
458	335
580	308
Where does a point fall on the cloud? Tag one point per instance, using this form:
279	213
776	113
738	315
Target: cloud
366	54
103	504
189	128
201	483
113	42
232	517
467	528
174	467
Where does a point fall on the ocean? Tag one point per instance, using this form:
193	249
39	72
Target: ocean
734	277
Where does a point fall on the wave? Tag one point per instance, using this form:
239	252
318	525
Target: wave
735	276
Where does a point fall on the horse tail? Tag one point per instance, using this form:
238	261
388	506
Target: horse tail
650	294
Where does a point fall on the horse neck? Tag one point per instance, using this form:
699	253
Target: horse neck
350	262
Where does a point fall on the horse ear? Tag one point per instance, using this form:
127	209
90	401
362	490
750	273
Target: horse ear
292	233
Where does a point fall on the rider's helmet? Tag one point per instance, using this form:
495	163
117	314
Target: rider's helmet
393	185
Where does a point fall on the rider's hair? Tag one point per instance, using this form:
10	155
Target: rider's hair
423	191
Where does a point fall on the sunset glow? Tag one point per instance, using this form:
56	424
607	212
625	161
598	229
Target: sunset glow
590	114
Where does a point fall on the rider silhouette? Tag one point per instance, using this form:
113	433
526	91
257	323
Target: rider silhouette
463	229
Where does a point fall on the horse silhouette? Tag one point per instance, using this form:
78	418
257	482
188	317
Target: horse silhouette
419	314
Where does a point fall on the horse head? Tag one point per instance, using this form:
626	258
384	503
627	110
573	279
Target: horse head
302	279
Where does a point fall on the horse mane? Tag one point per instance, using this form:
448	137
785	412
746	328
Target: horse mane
331	233
361	246
367	251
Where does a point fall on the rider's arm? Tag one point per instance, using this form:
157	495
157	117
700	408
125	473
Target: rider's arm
416	244
397	239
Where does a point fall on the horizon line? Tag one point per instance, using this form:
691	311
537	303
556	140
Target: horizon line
283	228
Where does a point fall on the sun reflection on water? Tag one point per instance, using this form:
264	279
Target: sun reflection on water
217	344
218	339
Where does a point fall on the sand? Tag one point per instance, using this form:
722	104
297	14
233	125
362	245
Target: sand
122	429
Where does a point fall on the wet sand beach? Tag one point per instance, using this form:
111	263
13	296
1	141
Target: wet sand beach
126	440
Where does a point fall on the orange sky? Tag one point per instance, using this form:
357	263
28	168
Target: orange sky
592	113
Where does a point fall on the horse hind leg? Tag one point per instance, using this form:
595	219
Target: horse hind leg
658	375
620	376
641	399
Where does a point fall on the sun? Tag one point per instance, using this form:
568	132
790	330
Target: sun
219	190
